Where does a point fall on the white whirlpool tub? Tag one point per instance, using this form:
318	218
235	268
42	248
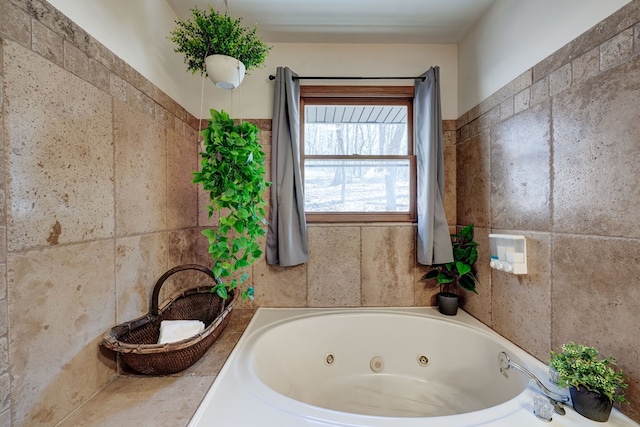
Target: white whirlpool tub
392	367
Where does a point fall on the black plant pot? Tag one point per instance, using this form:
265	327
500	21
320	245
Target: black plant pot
590	404
448	303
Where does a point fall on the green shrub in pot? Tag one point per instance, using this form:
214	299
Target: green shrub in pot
579	366
460	272
212	33
585	373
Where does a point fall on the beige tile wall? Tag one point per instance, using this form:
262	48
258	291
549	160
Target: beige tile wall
95	204
84	127
554	156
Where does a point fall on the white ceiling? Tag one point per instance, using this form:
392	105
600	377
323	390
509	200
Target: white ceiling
350	21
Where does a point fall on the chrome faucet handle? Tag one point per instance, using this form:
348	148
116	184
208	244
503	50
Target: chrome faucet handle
556	399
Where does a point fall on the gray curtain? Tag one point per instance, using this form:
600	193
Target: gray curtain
434	240
287	232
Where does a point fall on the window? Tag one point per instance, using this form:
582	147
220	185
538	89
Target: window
357	153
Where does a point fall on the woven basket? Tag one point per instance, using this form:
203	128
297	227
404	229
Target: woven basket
136	341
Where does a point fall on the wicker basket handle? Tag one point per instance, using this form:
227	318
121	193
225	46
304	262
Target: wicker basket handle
165	276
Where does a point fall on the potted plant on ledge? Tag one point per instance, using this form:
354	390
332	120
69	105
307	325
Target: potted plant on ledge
460	272
219	46
232	171
593	383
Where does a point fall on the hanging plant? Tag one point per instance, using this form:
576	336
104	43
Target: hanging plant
213	33
234	175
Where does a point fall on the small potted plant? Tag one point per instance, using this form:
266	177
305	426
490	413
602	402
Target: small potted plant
593	383
460	272
232	171
218	45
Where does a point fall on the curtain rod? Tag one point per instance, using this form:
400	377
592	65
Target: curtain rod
423	78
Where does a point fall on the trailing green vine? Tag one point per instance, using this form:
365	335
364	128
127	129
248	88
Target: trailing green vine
234	175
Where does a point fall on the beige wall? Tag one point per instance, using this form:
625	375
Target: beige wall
137	32
254	98
96	203
514	35
554	156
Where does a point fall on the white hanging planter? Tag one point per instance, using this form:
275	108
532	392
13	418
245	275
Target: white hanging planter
224	71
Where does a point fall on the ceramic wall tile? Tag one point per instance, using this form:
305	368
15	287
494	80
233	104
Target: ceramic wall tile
333	272
616	50
472	177
60	155
76	61
47	43
388	263
596	152
118	88
61	303
99	76
5	392
15	24
424	290
4	325
506	109
520	170
277	286
140	171
4	313
140	261
51	17
181	250
182	194
595	301
450	200
104	56
560	79
521	100
521	304
181	247
586	66
204	220
540	90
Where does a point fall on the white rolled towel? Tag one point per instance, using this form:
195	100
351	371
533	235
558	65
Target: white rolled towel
177	330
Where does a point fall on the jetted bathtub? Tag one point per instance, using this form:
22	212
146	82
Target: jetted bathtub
393	367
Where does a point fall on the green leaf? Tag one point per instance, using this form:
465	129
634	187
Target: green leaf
241	263
443	278
463	268
431	274
248	293
467	232
221	290
210	233
467	282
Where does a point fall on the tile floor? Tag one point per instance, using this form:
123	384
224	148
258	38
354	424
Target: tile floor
167	401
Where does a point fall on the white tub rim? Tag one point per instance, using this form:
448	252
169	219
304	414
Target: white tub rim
519	413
